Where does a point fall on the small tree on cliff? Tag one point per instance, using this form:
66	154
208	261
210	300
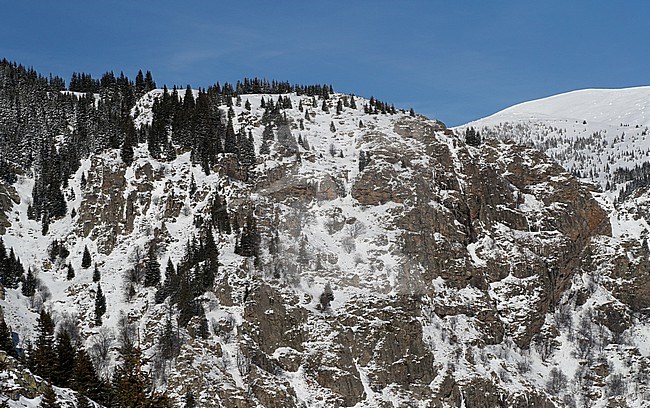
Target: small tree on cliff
86	261
326	298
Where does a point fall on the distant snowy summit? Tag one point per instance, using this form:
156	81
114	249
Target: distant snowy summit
627	106
600	135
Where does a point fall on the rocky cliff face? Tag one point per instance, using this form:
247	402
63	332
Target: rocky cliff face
460	274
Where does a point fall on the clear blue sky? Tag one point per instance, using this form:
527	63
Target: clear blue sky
452	60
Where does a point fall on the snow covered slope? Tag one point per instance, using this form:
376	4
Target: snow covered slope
629	106
591	132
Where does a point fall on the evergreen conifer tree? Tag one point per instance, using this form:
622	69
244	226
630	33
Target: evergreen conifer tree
70	272
130	383
169	342
65	360
189	400
472	137
86	260
149	83
192	185
100	305
170	285
303	255
6	343
43	356
326	298
11	270
249	243
96	275
264	147
267	133
126	152
230	141
84	377
49	400
152	268
139	83
130	139
29	284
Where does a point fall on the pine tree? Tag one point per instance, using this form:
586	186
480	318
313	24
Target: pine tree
139	83
411	112
11	270
332	127
326	298
126	152
264	147
249	243
230	141
303	255
3	260
170	285
472	137
130	382
100	305
43	356
189	400
192	185
6	343
86	261
70	273
267	133
84	377
152	268
220	217
65	360
29	284
149	83
49	398
96	275
130	139
169	342
246	150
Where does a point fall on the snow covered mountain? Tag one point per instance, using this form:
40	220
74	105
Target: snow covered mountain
592	132
360	259
600	135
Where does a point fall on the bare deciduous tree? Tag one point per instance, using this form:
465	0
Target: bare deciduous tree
99	351
557	381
